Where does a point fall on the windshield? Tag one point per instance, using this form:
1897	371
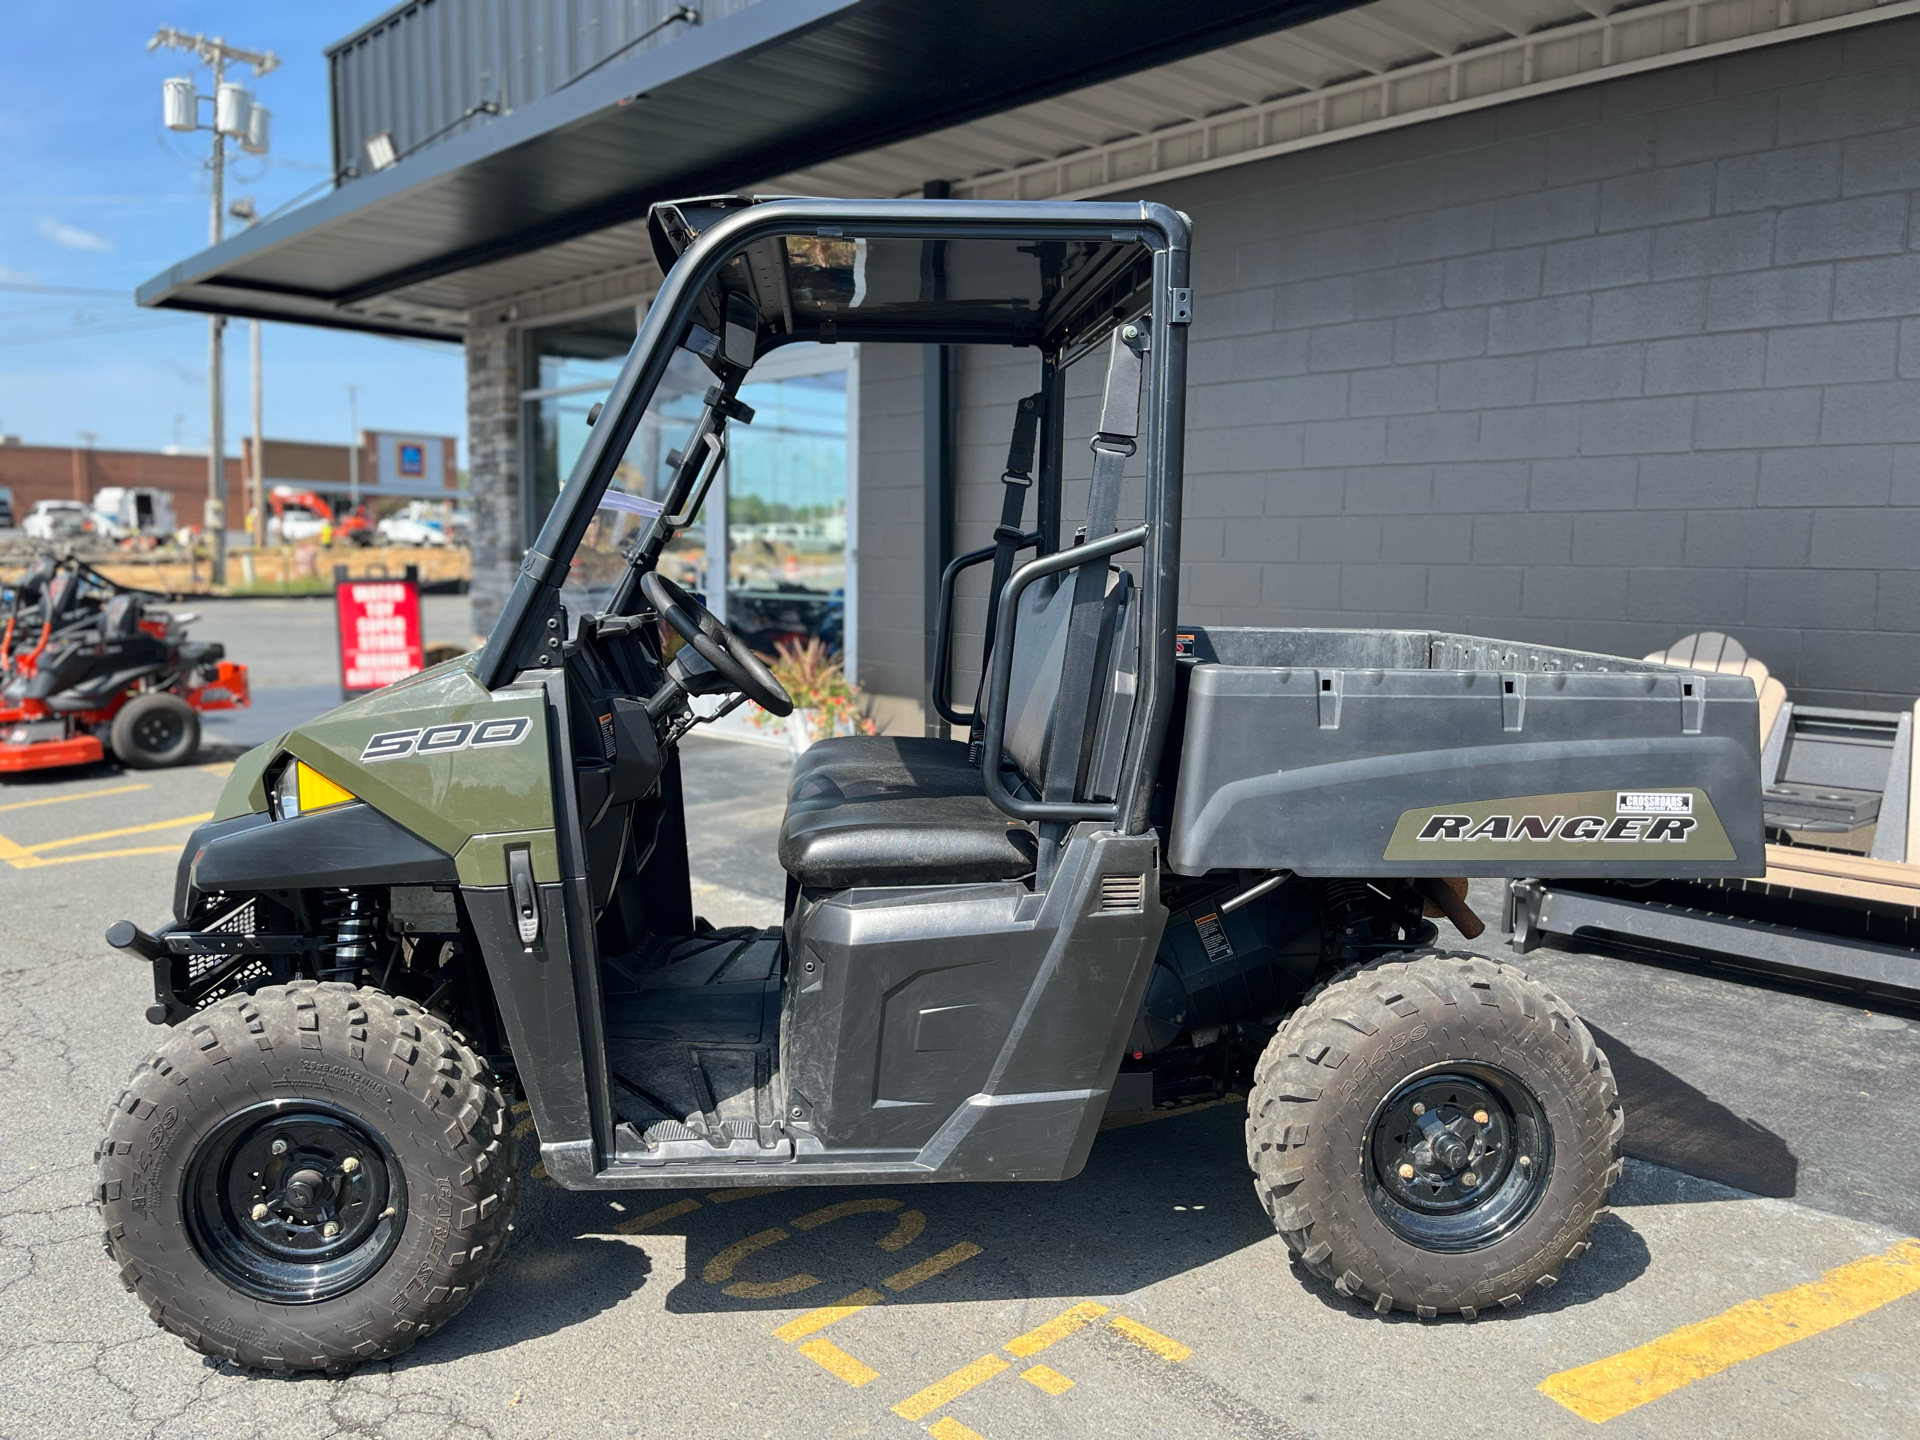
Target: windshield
633	497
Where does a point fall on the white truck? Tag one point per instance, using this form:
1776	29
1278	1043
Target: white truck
121	512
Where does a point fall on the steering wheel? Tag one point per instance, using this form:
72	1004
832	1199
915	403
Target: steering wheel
715	644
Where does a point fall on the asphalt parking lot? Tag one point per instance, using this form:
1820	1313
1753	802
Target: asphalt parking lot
1775	1130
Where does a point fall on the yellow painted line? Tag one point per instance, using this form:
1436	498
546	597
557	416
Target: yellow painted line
1056	1329
807	1324
744	1192
116	834
771	1289
539	1170
813	1219
34	862
943	1392
81	795
1608	1388
222	768
933	1265
524	1128
1048	1379
948	1428
837	1362
640	1223
1163	1346
905	1231
721	1266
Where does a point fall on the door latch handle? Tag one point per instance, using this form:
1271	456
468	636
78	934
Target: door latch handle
526	895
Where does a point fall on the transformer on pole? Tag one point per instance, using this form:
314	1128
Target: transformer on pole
236	117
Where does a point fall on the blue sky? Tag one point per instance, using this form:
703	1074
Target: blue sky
96	195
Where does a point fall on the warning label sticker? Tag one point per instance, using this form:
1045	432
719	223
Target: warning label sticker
1213	937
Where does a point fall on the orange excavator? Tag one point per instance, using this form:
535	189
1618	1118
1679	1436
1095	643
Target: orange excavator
305	515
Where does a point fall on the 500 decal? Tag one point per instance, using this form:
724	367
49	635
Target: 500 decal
445	739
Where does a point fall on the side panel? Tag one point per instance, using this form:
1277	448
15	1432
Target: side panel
1364	772
973	1031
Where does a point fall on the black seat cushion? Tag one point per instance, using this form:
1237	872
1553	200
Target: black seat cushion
896	810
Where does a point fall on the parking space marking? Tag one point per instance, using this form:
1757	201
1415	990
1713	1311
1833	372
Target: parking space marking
933	1265
1047	1379
1056	1329
1607	1389
826	1315
721	1266
943	1392
871	1204
837	1362
744	1192
948	1428
672	1211
1164	1346
30	857
81	795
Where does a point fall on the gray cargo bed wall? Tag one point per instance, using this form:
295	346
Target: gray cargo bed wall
1336	752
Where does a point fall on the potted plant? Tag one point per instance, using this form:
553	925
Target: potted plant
825	702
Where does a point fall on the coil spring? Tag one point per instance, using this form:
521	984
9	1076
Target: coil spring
354	933
1346	909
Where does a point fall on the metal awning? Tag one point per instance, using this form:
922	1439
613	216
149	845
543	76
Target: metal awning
767	90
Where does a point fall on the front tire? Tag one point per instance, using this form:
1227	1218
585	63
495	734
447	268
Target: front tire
1435	1134
307	1178
154	731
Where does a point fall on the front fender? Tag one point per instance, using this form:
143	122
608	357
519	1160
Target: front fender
340	848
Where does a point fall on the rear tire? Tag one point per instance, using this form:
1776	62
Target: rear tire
1435	1134
392	1132
154	731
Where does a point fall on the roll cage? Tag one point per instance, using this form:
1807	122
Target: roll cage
745	276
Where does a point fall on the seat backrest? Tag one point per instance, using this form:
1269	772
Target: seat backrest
123	617
1033	689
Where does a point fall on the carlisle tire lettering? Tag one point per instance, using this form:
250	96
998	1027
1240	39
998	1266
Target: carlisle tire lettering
446	739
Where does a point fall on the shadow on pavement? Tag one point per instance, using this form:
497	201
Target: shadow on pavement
1671	1123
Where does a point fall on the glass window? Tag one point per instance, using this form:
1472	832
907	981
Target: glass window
574	365
787	511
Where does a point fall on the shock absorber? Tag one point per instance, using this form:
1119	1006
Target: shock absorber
1347	915
354	935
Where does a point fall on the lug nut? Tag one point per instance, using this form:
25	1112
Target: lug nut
1469	1179
330	1229
1526	1160
1479	1117
1418	1108
1406	1172
260	1212
349	1165
279	1147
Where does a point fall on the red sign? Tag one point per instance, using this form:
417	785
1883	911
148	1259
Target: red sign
380	639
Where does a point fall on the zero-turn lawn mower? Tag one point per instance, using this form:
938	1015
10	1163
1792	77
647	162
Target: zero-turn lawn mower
1177	860
89	667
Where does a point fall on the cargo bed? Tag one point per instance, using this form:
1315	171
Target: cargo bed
1415	752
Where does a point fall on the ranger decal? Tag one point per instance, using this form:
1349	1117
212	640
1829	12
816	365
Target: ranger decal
1580	826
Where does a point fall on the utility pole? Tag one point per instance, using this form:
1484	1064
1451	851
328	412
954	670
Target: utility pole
244	209
236	115
353	448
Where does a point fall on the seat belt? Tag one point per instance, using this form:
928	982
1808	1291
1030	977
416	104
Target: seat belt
1113	445
1008	537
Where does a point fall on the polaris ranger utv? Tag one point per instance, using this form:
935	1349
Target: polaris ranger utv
1175	859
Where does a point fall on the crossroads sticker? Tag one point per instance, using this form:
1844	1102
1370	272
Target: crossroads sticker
1597	825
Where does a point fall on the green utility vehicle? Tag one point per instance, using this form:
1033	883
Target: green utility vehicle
1175	860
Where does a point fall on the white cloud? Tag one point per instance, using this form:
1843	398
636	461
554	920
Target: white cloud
72	237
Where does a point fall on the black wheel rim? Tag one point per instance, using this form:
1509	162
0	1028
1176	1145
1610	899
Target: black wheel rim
1458	1156
294	1201
158	731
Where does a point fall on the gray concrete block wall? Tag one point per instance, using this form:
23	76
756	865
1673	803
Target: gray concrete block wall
1596	369
493	460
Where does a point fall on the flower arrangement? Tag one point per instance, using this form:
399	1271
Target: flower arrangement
825	702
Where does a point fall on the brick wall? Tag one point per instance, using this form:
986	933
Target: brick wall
493	467
50	472
1596	369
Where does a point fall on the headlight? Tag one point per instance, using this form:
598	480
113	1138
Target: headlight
301	788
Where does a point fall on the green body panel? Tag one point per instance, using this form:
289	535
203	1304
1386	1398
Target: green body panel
246	787
483	859
446	799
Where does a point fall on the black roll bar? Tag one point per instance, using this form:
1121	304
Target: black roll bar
1069	559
